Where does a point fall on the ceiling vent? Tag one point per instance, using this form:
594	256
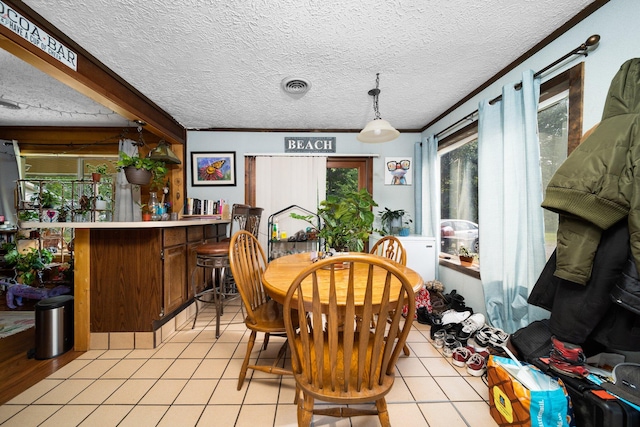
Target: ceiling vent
296	85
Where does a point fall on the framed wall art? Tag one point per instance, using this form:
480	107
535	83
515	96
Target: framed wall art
215	168
398	171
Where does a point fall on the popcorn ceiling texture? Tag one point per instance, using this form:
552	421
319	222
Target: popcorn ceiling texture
214	64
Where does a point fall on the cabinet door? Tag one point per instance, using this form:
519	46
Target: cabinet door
175	277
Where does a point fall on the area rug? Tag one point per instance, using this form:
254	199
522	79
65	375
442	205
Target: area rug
12	322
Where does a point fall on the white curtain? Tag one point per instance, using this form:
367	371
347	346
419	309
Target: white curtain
127	197
509	197
284	181
427	197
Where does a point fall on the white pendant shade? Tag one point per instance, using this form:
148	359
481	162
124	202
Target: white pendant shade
378	130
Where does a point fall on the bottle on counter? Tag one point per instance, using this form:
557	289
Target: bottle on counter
154	206
275	233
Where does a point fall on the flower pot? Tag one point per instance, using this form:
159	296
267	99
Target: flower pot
101	205
95	177
146	216
49	215
404	231
137	176
466	261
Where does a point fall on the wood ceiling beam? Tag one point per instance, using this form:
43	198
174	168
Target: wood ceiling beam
92	78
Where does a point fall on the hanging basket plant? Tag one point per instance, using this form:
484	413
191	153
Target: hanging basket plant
141	170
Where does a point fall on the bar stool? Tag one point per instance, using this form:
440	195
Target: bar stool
215	256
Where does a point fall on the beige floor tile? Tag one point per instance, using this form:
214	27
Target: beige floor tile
223	350
185	335
399	392
181	368
182	416
439	367
226	393
476	414
457	389
91	354
107	415
31	416
233	369
287	390
262	391
114	354
424	349
95	369
69	415
196	392
153	368
219	415
479	386
64	392
124	368
425	389
208	336
411	367
257	415
416	336
405	414
196	350
286	415
144	415
8	411
170	350
211	368
34	392
130	392
68	370
141	353
442	414
233	335
97	392
163	392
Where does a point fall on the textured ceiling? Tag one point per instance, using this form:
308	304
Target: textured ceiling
214	64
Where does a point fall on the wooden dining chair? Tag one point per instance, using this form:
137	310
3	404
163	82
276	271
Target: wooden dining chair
248	262
334	358
391	247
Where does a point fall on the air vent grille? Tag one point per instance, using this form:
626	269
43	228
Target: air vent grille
295	85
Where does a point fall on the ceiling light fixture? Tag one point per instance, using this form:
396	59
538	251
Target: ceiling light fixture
10	105
378	129
163	153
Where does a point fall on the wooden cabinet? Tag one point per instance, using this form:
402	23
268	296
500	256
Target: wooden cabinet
140	277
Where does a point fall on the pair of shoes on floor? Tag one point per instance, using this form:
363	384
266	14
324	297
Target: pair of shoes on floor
426	318
455	301
475	362
490	336
469	326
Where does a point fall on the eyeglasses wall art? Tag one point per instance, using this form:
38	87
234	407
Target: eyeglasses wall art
217	168
398	171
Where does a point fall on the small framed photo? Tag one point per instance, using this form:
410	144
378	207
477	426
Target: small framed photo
217	168
397	171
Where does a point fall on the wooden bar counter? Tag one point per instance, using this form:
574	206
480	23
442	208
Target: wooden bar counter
132	277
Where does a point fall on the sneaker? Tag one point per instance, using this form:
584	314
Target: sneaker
476	365
461	355
490	336
473	323
463	336
567	352
452	316
436	325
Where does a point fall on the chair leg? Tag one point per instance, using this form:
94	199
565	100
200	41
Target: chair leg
245	363
217	300
305	409
383	414
266	340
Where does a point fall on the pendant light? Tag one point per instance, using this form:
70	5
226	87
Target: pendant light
378	129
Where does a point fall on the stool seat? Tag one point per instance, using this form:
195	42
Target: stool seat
213	249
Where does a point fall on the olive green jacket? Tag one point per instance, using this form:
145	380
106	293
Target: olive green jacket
599	183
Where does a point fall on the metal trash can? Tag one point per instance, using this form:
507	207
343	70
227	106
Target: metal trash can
54	326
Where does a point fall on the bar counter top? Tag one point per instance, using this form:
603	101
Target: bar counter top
125	224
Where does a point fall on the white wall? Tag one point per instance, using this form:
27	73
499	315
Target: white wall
394	197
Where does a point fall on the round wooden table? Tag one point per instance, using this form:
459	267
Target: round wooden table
281	271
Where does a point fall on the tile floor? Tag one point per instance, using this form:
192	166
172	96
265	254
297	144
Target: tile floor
191	379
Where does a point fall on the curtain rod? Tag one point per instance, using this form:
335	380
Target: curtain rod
590	44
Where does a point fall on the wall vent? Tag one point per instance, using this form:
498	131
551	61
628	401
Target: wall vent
296	85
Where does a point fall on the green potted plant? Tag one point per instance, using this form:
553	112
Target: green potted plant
391	221
347	221
97	171
142	170
406	225
465	257
28	264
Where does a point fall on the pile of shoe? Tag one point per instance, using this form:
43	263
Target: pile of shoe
439	304
568	359
472	358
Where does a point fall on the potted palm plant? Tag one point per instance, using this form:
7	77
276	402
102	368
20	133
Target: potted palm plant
97	171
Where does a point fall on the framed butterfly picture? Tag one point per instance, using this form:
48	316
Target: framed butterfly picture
213	168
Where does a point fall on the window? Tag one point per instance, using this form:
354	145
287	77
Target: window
559	126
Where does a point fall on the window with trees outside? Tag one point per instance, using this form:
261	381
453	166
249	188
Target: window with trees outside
559	127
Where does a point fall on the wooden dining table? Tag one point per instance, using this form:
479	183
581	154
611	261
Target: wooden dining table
280	273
